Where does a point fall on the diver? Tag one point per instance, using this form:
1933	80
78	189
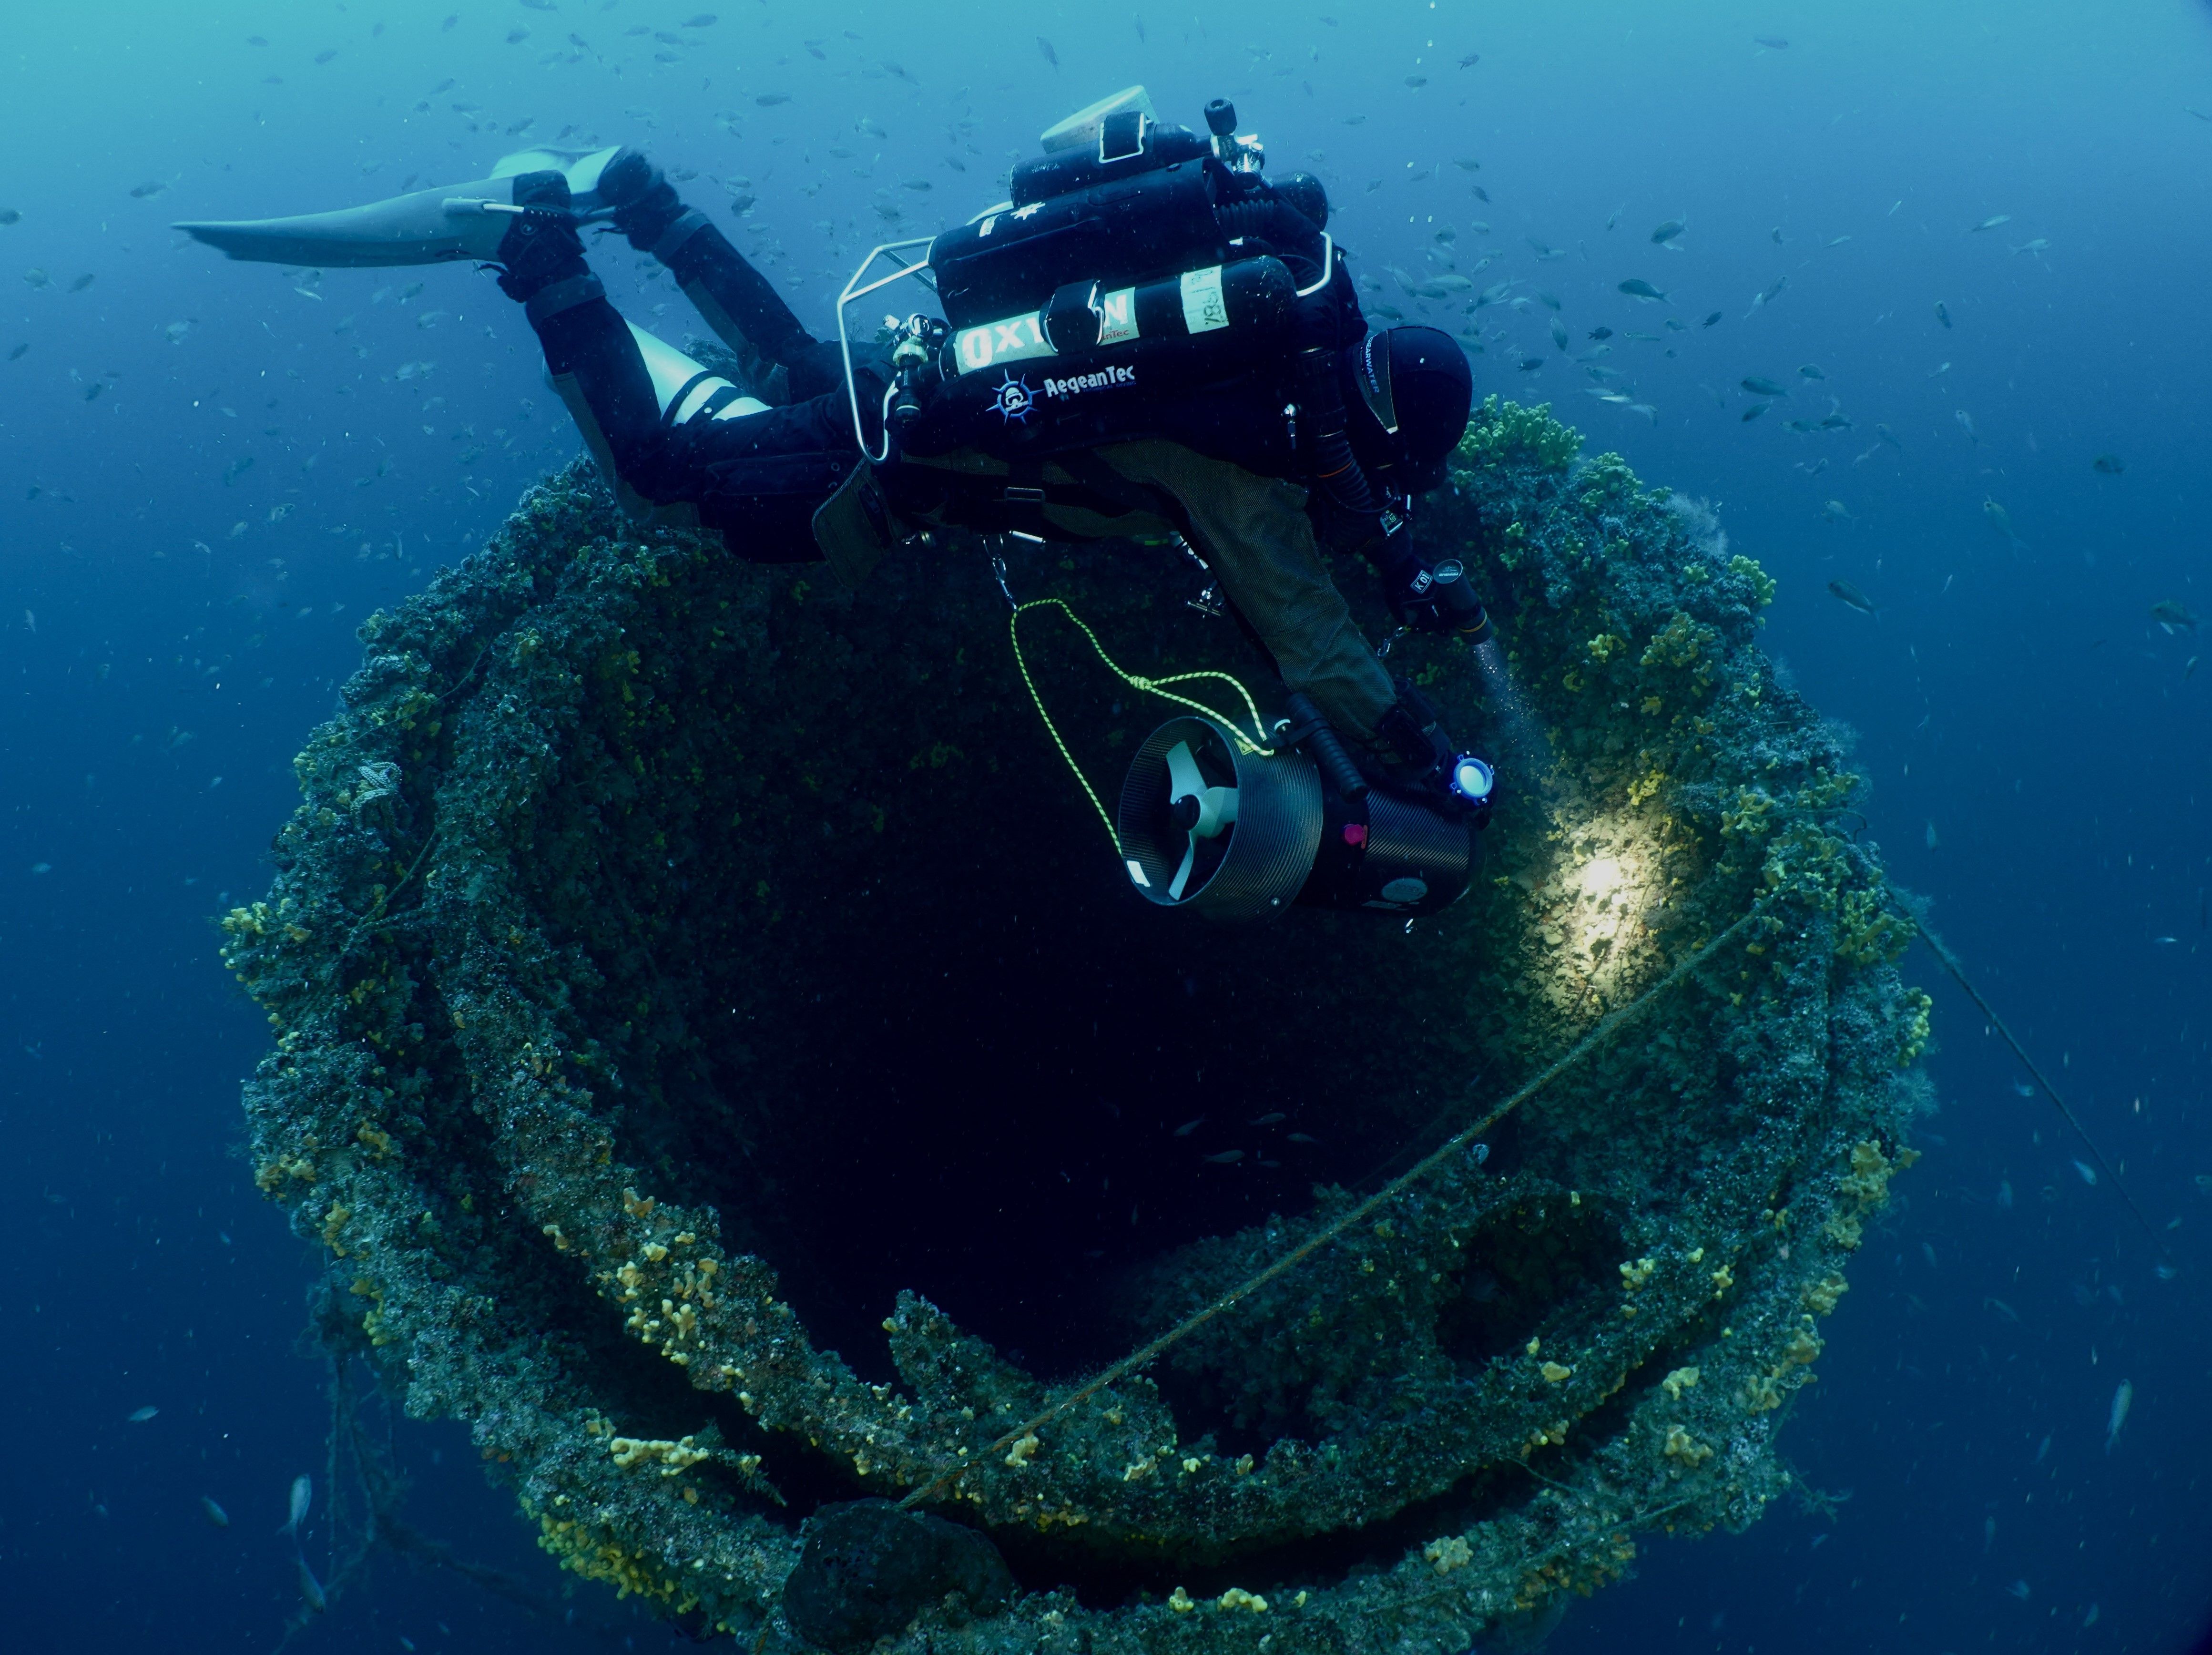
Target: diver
1262	461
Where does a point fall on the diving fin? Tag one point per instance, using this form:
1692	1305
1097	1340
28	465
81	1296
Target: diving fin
426	227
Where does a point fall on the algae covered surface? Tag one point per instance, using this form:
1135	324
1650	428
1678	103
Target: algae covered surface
719	1052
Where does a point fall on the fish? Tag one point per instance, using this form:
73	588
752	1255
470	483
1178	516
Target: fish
325	57
1667	232
311	1590
1764	388
1190	1126
2122	1400
1470	60
217	1516
2038	246
2089	1172
1989	223
140	1415
175	331
1559	335
2173	614
10	215
1803	426
1768	296
303	1495
1771	42
705	19
1273	1118
1226	1158
1755	410
1469	165
16	354
1050	56
36	278
2000	520
151	187
1302	1138
1530	364
1601	333
1417	82
1967	423
2109	464
1942	313
1834	511
769	99
1710	319
1812	371
1636	288
2019	1589
1889	436
1852	595
2004	1194
1837	421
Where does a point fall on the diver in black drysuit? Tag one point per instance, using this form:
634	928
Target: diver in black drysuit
1218	463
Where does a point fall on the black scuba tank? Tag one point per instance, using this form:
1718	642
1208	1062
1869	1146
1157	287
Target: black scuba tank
1126	229
1083	365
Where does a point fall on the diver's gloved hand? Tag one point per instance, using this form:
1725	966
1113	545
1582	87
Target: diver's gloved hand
1428	597
1417	753
644	202
541	246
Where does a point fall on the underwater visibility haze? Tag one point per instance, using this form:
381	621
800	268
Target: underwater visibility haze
728	1152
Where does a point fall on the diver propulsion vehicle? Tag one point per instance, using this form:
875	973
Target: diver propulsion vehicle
1209	821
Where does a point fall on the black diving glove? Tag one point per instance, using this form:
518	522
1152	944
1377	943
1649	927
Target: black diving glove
1417	754
1427	597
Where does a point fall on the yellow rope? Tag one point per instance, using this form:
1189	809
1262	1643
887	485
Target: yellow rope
1255	744
1608	1026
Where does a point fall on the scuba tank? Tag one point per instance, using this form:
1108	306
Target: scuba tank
1132	256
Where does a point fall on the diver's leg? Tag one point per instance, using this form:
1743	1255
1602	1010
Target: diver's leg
756	476
595	361
1254	533
737	300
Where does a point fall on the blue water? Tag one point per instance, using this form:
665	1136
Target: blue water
2037	748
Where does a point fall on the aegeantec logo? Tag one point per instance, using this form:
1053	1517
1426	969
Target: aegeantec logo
1076	384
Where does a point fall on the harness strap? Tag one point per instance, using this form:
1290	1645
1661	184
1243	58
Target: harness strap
668	414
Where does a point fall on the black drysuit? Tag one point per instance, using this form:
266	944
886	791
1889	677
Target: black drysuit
1217	468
